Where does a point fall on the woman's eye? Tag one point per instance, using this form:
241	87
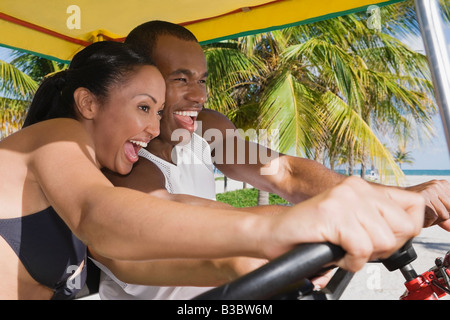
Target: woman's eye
160	113
144	108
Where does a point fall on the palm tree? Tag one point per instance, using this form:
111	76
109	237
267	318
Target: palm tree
355	90
35	66
16	88
329	87
401	156
19	80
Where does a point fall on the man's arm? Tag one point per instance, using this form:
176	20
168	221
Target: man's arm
293	178
182	272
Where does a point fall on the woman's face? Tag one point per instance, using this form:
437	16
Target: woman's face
129	119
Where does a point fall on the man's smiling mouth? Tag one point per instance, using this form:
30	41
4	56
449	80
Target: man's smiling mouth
186	119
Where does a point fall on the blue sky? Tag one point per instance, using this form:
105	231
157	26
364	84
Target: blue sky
4	54
433	154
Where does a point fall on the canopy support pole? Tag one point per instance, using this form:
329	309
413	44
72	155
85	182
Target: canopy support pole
431	26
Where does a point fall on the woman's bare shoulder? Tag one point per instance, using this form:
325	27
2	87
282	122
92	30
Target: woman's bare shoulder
45	133
49	143
59	128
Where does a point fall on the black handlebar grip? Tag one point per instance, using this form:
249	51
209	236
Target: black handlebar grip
405	255
299	263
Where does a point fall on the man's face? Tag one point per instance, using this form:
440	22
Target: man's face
183	66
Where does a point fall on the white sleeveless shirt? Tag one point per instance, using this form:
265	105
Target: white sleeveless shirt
193	174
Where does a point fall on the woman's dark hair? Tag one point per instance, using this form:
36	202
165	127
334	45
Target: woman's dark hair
96	68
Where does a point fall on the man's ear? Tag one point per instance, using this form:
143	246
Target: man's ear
85	102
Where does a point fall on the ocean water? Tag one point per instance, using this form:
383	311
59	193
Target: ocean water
434	172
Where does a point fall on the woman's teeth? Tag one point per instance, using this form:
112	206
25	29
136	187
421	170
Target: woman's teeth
139	143
187	113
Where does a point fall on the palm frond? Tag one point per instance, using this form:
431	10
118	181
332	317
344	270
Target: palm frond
34	66
287	106
348	125
335	65
229	69
14	83
12	115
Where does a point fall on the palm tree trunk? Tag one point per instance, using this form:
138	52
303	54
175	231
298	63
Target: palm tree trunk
363	169
263	197
350	159
363	162
364	155
319	155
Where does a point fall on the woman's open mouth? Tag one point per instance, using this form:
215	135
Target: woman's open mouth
132	148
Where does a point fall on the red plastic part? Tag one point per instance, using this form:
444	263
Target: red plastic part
421	288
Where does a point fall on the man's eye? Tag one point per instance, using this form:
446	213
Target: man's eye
144	108
181	79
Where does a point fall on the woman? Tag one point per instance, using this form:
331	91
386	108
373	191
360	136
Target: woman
56	201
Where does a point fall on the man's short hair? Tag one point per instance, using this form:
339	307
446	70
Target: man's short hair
145	36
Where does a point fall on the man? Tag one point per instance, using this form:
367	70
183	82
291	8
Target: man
181	171
180	59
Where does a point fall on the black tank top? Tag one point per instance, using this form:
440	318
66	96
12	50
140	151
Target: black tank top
49	251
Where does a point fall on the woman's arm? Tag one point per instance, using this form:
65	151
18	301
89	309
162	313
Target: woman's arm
147	177
124	224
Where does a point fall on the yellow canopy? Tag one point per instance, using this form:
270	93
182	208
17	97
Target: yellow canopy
58	29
